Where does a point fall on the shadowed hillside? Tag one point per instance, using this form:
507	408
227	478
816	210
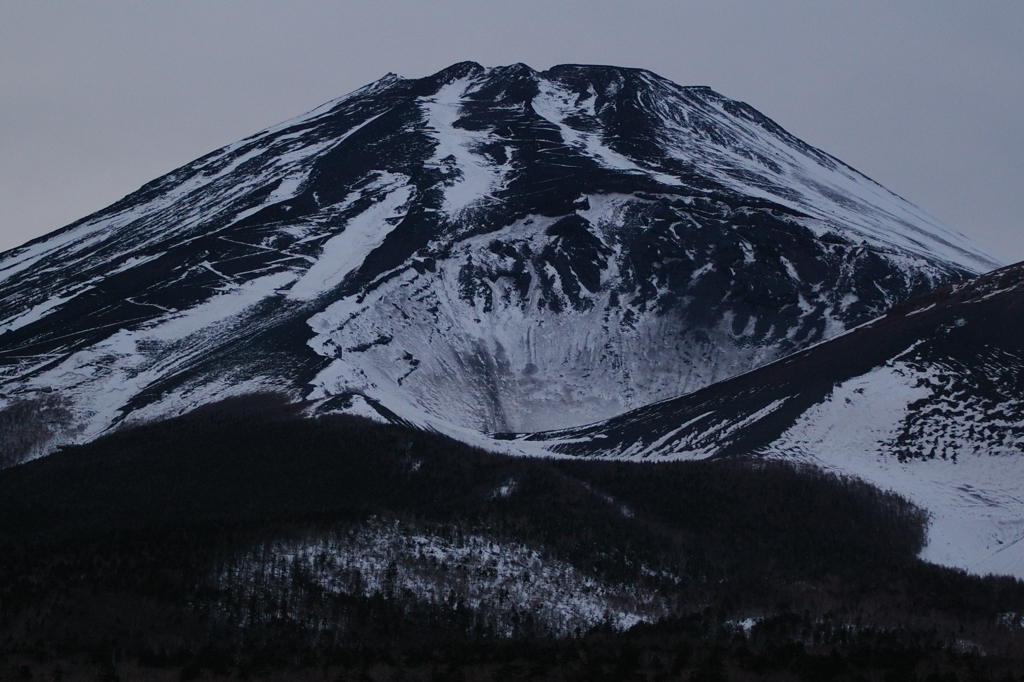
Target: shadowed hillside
245	538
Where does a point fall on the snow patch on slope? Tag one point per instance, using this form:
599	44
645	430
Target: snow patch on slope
974	500
557	105
38	312
102	379
730	142
470	176
343	254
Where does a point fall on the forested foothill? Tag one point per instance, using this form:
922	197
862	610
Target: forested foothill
248	541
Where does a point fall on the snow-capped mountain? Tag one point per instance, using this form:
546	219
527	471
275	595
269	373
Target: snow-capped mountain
927	401
480	250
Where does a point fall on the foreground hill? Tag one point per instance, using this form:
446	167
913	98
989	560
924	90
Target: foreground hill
479	250
925	401
244	539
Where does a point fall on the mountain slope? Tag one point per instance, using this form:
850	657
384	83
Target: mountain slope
926	401
480	250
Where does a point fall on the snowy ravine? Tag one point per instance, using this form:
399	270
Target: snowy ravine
481	250
927	401
502	581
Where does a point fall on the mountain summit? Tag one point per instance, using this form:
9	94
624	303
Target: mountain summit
484	249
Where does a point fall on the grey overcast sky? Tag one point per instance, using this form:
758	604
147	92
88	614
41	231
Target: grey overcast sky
97	98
